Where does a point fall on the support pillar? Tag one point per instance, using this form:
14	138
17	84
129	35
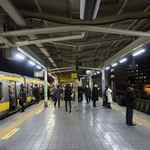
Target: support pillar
45	89
104	81
90	82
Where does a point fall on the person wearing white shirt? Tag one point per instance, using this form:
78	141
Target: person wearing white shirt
109	97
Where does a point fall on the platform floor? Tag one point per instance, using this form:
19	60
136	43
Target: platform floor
86	128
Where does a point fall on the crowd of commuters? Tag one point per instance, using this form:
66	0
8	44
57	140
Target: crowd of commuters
37	93
66	93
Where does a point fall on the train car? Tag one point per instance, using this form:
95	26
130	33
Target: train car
30	84
9	91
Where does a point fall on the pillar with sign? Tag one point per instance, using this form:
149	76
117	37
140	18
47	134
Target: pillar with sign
45	88
104	81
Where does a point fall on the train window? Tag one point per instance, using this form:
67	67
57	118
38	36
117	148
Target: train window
1	93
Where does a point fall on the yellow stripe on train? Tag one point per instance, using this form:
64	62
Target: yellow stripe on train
11	78
4	106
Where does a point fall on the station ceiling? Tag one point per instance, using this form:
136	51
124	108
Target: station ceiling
62	47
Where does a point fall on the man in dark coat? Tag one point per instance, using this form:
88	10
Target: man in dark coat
80	94
68	97
105	100
36	93
88	94
95	95
130	103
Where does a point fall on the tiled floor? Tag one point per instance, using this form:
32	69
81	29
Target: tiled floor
86	128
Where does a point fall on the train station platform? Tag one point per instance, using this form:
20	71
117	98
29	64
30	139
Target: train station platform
86	128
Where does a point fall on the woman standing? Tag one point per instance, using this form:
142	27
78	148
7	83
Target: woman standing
109	97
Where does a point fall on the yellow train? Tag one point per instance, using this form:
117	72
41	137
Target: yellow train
10	87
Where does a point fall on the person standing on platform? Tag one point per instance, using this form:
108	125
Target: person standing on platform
53	95
130	103
95	95
109	97
36	93
80	94
88	94
105	100
68	97
22	97
57	95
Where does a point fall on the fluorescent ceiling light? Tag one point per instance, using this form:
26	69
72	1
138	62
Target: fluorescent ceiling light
19	56
97	6
139	52
123	60
82	9
88	71
30	57
114	65
31	63
107	68
38	67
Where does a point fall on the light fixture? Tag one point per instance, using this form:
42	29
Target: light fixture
114	64
98	72
31	63
139	52
107	68
82	9
38	67
96	9
19	56
23	52
88	71
123	60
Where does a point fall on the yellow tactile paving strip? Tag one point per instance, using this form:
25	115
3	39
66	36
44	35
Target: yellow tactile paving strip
13	127
139	117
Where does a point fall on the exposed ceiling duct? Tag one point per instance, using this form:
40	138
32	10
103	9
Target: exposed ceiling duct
45	52
89	9
12	12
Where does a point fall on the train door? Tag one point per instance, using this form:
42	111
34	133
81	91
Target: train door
1	93
29	92
12	95
18	85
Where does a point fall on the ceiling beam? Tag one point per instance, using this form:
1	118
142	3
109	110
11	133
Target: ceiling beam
47	54
84	28
73	37
139	43
12	12
70	21
100	41
57	69
90	68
